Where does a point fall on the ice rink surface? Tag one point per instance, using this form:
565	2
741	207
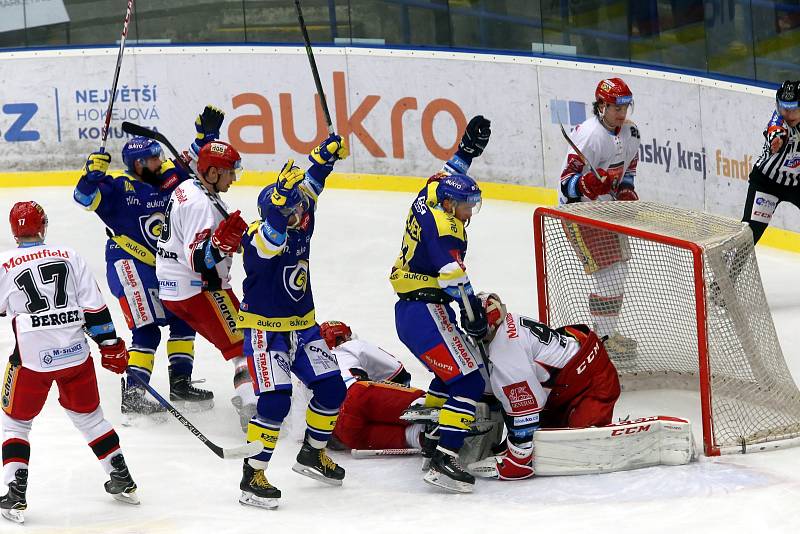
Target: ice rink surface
184	488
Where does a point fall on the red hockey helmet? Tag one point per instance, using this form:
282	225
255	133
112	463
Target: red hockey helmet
495	310
613	91
28	219
220	155
335	333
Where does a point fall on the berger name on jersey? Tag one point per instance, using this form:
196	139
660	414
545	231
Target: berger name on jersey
46	290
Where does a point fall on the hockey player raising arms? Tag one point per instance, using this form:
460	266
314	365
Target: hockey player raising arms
546	378
281	335
194	260
132	207
426	278
610	143
51	296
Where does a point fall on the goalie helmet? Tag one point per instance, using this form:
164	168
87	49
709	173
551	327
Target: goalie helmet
139	149
335	333
613	91
28	219
220	155
495	311
788	95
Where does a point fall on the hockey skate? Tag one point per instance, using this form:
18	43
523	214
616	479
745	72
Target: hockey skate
183	394
121	486
429	440
447	472
420	414
621	349
245	411
135	404
316	464
256	489
13	503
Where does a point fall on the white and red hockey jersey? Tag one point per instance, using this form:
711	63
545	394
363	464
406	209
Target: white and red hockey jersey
373	360
190	219
525	355
617	154
46	290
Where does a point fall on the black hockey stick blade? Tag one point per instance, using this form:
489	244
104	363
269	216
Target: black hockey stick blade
232	453
142	131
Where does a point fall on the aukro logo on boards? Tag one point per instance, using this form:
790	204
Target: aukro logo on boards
264	122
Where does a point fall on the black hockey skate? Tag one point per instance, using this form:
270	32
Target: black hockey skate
121	486
429	441
447	472
256	489
182	393
135	403
316	464
13	503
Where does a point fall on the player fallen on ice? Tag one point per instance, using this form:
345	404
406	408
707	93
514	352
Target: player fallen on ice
544	378
428	275
610	143
132	206
194	260
52	298
775	177
281	335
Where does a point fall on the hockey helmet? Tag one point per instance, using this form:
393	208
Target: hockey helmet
139	149
28	219
495	310
296	201
788	95
613	91
220	155
335	333
460	188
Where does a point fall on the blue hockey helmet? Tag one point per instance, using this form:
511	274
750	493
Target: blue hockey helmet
461	189
295	201
139	149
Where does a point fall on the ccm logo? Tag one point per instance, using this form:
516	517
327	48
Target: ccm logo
630	430
582	366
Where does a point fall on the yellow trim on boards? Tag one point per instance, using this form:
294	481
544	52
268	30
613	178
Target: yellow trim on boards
773	237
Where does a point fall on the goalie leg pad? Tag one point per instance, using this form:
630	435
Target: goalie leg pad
646	442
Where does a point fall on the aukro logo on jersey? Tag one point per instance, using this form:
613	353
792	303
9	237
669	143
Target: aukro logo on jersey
295	279
150	226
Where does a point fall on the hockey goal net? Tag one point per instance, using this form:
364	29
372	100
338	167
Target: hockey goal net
689	294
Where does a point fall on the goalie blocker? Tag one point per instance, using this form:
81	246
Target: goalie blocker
646	442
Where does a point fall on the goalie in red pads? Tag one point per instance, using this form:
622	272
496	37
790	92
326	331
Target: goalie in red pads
544	378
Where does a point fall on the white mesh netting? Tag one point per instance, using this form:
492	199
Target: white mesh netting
641	291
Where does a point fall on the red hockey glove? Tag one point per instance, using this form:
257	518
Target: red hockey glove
516	464
114	356
228	235
627	194
776	135
592	186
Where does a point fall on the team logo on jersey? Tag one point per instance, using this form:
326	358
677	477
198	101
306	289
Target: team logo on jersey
295	279
150	226
792	163
521	397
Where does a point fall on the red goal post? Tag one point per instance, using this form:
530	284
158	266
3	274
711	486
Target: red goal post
691	299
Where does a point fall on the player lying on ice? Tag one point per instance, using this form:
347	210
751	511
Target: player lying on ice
281	335
132	206
52	298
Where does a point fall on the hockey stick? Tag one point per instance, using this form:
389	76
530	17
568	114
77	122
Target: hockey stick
361	454
471	317
139	130
314	70
116	75
234	453
579	153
